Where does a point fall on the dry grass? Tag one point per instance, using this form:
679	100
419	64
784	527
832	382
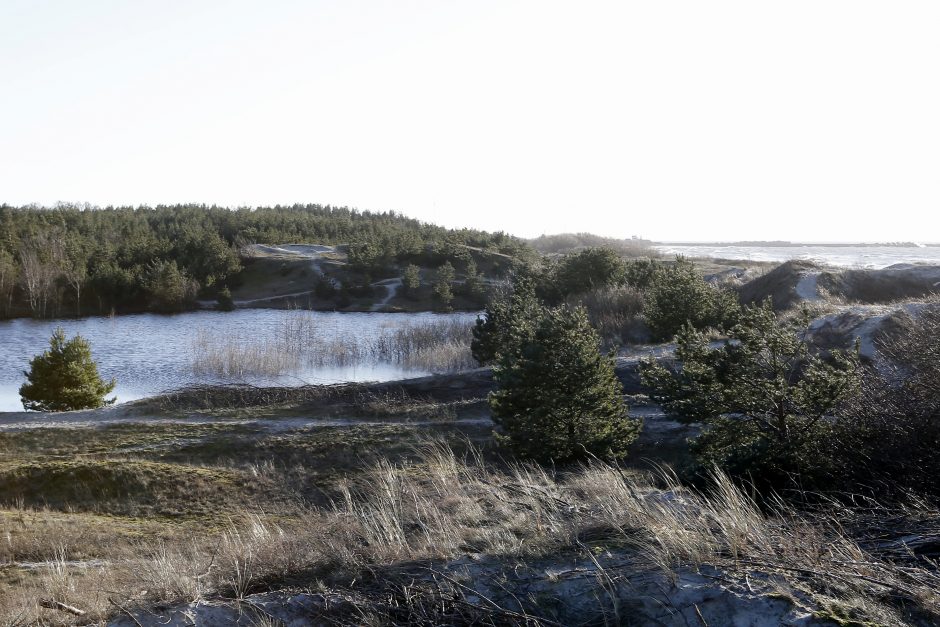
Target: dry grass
435	346
296	344
443	506
616	313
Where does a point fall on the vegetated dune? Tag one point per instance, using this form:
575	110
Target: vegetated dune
870	325
787	285
433	537
445	540
436	536
795	282
424	536
900	281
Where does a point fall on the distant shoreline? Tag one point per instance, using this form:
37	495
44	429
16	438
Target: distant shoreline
784	244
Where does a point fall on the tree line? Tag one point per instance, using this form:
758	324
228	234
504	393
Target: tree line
81	259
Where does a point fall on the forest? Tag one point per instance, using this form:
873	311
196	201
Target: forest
81	259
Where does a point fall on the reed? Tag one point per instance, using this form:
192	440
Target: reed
296	343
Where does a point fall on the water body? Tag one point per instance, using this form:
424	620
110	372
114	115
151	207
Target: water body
151	353
844	256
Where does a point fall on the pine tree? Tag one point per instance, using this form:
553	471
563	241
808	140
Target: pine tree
65	377
442	288
678	295
411	280
505	317
558	398
763	393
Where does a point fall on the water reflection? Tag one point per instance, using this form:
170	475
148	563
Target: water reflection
149	353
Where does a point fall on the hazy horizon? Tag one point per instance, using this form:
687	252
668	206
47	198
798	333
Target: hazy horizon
686	121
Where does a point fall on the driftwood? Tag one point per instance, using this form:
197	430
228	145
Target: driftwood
62	607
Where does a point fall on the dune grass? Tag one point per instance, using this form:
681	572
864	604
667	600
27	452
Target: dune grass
440	505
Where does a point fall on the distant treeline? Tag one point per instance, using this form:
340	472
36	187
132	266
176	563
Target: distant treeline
788	244
573	242
79	259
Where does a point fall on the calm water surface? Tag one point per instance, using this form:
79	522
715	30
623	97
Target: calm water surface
150	353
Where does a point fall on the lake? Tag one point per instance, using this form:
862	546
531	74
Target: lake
151	353
845	256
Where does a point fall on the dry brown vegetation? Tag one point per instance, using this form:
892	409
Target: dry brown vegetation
441	505
296	343
616	313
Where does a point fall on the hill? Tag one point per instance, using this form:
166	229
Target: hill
77	260
794	282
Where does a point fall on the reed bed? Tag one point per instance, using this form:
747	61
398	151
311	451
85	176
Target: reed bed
297	343
434	346
237	357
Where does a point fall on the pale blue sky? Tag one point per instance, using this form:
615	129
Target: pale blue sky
811	120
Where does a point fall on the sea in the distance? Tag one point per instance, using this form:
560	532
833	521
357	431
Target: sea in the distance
845	256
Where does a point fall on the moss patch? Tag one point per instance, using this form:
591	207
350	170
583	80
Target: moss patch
132	487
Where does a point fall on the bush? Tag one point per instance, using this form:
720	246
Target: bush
616	313
678	296
65	378
324	289
558	398
224	300
588	269
507	314
890	434
765	398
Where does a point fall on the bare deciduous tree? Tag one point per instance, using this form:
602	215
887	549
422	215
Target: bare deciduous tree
41	260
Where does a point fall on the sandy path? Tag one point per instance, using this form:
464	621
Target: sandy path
391	290
23	421
312	252
808	287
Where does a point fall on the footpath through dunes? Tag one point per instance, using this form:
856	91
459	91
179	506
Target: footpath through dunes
282	272
317	276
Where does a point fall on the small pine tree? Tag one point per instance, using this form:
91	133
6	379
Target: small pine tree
442	289
677	295
171	289
411	280
224	301
558	398
505	317
473	287
588	269
65	377
764	394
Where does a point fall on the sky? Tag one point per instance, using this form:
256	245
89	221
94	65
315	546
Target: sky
677	120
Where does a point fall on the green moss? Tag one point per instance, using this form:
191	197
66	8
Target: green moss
129	487
197	472
106	440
